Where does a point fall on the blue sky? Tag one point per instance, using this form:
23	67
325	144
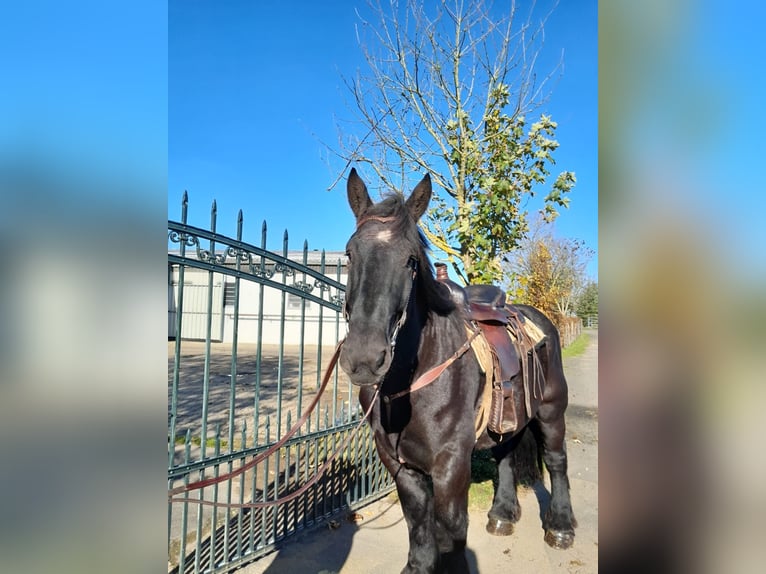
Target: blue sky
80	95
254	87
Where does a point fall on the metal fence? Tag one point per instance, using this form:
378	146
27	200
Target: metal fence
250	332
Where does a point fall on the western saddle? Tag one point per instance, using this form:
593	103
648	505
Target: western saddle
514	399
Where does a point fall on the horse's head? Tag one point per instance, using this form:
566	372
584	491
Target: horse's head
385	254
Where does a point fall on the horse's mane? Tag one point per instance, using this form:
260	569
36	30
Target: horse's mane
403	226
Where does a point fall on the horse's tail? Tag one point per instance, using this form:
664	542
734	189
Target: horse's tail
526	458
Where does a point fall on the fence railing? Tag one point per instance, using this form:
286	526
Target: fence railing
250	332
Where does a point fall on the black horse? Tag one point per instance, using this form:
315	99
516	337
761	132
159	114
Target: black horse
403	322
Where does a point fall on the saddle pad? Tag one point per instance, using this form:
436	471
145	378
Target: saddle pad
484	357
532	331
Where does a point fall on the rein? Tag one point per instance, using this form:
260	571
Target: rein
272	449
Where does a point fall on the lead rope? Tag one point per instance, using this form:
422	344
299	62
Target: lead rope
271	450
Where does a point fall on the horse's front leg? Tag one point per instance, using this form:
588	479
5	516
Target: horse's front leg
451	481
417	507
414	496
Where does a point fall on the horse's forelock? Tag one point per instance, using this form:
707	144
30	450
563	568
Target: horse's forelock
393	209
401	225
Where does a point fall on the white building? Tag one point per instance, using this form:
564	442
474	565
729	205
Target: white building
296	309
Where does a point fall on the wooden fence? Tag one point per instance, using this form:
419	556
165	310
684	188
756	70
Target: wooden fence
569	328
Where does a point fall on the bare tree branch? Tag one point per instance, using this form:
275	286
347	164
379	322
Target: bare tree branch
446	90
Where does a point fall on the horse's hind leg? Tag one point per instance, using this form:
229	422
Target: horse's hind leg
549	427
559	521
517	463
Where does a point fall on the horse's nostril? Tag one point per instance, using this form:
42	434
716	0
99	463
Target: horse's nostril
381	360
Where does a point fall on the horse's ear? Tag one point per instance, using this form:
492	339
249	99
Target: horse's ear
358	198
417	202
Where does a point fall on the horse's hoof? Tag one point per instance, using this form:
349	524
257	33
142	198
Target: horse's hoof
499	527
561	539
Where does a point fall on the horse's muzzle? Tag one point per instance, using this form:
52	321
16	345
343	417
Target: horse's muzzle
365	364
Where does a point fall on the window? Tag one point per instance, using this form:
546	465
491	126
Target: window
294	302
229	295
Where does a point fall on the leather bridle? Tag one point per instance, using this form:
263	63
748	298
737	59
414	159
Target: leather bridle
412	263
379	218
432	374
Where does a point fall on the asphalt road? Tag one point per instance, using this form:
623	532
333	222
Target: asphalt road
376	541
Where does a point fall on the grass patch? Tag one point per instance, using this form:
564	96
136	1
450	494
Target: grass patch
577	347
483	479
480	495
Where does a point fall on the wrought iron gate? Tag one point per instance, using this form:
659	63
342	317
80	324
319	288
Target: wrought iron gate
263	327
